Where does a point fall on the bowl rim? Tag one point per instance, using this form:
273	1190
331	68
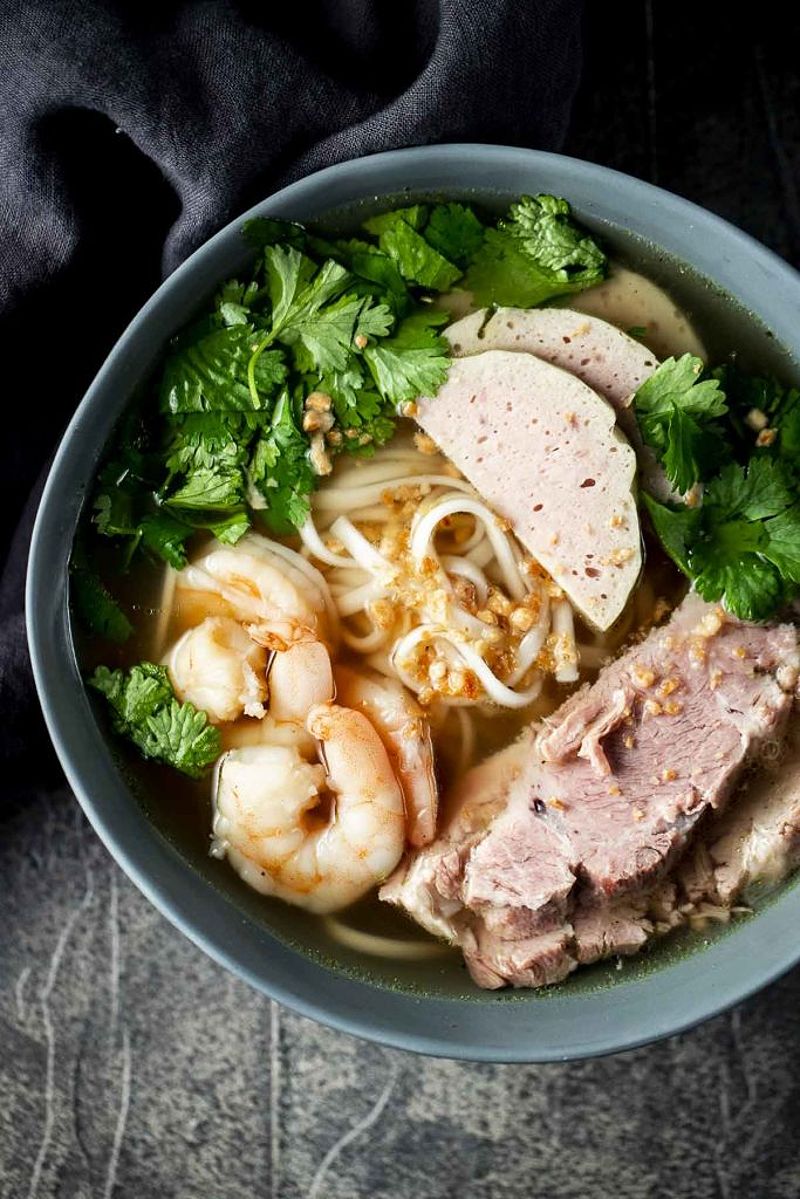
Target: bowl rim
538	1027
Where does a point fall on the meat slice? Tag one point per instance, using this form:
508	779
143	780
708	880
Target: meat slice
543	449
609	361
756	841
603	799
606	359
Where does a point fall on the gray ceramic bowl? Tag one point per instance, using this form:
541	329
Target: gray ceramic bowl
437	1012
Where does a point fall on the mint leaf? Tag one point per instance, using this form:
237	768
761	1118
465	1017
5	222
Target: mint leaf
413	362
536	253
145	710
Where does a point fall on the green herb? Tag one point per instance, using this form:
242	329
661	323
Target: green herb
675	408
455	231
96	607
145	710
229	445
281	472
537	253
743	545
764	416
637	331
412	363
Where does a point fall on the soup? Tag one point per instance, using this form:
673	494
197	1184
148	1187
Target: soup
348	682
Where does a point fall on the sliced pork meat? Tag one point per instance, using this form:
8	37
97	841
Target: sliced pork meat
567	477
601	802
756	842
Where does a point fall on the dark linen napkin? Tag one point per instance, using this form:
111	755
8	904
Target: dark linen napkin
130	132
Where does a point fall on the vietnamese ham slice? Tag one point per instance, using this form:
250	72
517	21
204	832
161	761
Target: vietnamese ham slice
544	450
611	362
608	360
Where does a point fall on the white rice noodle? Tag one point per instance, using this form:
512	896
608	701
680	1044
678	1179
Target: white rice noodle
495	690
565	651
313	542
357	599
345	499
466	751
365	554
531	644
481	553
365	643
423	529
467	569
383	947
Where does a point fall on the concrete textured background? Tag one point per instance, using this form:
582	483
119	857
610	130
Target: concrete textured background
131	1065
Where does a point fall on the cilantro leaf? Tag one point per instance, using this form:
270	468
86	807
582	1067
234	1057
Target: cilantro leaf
536	253
208	488
96	607
754	494
415	216
676	528
373	269
261	232
145	710
759	405
675	407
743	545
416	260
455	231
211	374
180	736
414	361
165	535
281	472
234	301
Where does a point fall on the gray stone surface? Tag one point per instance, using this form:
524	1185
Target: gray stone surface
131	1065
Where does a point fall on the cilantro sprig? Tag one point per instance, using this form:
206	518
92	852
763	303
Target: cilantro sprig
225	441
144	709
742	546
676	408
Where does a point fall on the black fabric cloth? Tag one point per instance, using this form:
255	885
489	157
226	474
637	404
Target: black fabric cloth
132	131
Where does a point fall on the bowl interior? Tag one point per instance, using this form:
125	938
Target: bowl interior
430	1005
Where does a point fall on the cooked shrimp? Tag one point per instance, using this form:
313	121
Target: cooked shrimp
299	677
270	817
218	668
275	593
403	728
